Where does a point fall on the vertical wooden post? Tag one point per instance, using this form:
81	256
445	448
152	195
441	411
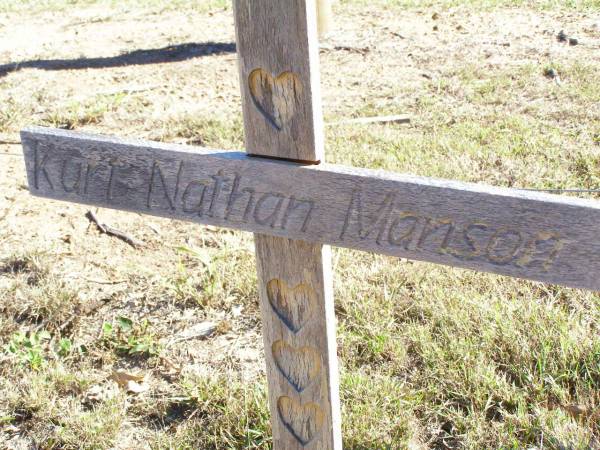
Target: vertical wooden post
278	60
325	16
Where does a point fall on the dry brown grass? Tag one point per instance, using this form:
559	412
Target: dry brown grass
431	357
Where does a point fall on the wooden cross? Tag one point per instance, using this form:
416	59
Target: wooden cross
297	207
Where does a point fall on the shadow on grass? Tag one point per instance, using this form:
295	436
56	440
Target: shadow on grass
174	413
172	53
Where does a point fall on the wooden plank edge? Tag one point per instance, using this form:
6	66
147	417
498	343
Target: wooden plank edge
583	210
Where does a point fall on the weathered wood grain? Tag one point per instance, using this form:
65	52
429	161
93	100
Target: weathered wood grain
279	72
296	291
522	234
277	50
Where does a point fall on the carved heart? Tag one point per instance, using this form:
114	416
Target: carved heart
276	98
303	421
299	366
293	306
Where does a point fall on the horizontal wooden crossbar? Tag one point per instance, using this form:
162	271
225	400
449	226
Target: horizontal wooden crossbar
517	233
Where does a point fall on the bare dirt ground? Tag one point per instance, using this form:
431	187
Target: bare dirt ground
172	76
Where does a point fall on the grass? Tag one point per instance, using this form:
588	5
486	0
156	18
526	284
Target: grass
11	6
431	357
502	137
10	115
77	114
46	396
485	4
215	132
36	6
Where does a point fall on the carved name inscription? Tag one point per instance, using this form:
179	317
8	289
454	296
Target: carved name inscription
477	240
168	186
540	237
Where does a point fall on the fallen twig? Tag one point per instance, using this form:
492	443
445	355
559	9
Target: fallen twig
92	217
198	331
107	229
131	90
346	48
110	282
68	322
376	119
